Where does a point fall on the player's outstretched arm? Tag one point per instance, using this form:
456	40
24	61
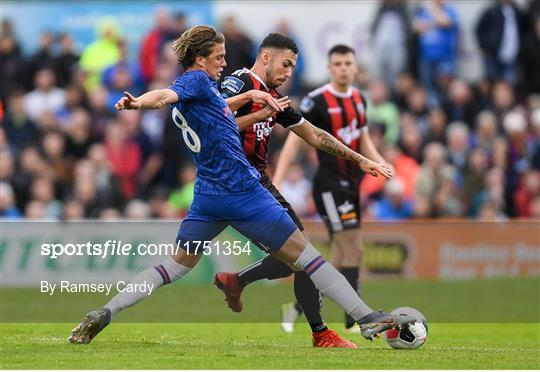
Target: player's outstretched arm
155	99
368	149
286	157
324	141
261	115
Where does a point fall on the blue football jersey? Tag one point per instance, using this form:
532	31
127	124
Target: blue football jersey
211	133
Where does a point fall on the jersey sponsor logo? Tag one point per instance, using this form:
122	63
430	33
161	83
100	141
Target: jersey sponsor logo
349	133
232	84
345	207
263	129
334	110
307	104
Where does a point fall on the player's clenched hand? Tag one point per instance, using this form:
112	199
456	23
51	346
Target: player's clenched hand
264	98
375	169
128	102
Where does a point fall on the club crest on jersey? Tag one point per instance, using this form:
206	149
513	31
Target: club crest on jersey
307	104
263	128
232	84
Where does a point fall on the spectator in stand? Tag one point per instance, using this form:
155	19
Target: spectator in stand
84	189
517	163
100	113
43	58
182	198
110	214
436	182
66	61
159	204
417	105
503	101
53	148
73	210
487	137
493	190
410	138
8	210
121	77
240	48
457	139
35	210
19	129
102	53
296	189
152	43
78	134
490	211
43	192
531	56
473	178
393	206
406	170
437	26
390	33
31	165
151	158
46	97
381	110
124	157
460	105
178	26
499	32
108	188
535	208
436	127
12	73
404	84
527	191
534	143
75	98
137	209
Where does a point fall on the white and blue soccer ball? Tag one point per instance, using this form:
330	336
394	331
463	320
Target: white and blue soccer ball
409	337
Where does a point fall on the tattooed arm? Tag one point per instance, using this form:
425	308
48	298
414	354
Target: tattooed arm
324	141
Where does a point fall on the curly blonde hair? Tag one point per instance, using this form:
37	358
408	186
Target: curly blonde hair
197	41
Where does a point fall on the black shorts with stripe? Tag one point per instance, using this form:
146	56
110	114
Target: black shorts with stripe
338	204
267	183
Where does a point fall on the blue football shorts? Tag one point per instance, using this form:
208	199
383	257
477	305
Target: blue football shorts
256	214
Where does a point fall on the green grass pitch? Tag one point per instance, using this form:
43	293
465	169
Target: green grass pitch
263	346
489	324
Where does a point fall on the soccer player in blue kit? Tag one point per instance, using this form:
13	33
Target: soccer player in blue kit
227	189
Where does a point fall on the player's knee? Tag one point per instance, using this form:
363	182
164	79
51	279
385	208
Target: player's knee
293	247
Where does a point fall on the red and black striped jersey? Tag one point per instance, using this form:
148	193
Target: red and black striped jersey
255	137
344	116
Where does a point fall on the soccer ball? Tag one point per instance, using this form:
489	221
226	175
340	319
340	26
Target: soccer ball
412	336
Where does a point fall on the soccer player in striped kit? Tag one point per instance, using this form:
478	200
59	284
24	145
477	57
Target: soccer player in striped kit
338	109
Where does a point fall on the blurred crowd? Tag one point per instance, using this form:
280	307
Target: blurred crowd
461	149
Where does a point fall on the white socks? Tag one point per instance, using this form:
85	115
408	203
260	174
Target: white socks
331	283
145	283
